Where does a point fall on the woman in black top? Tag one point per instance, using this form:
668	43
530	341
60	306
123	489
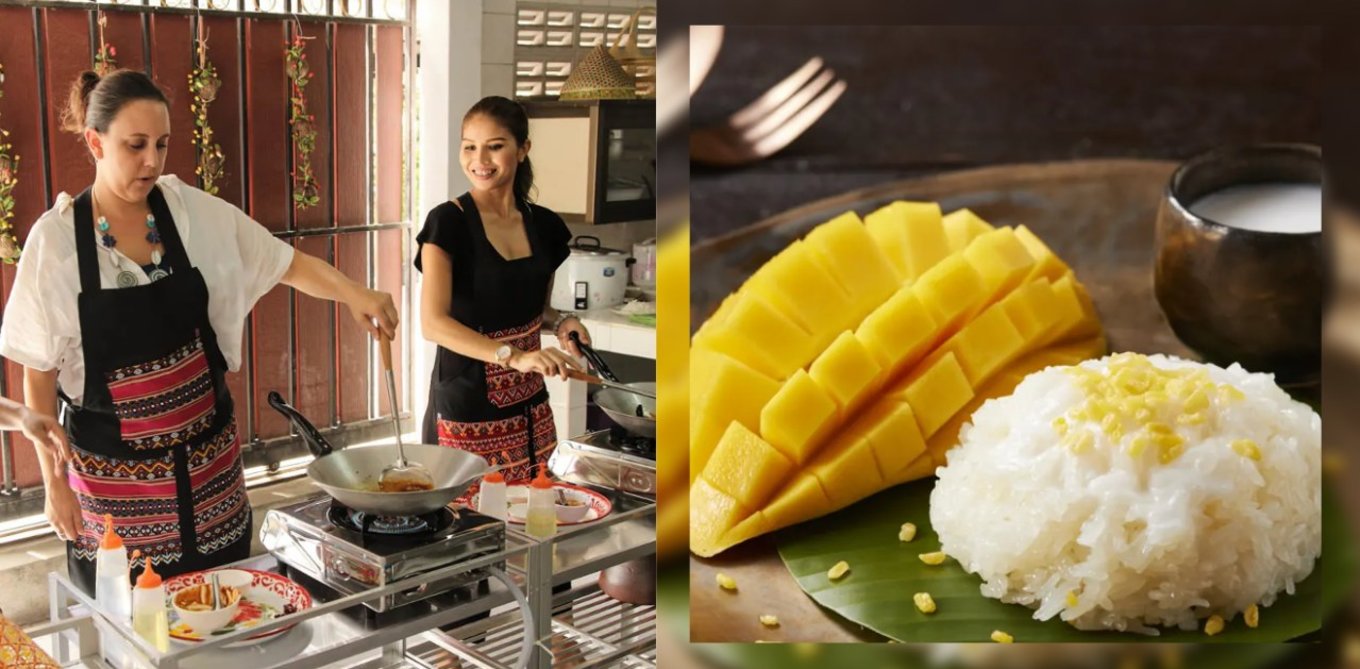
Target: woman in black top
488	259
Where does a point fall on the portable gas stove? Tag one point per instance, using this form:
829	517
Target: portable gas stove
350	551
610	458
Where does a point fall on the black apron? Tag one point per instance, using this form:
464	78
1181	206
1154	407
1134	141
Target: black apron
484	408
154	441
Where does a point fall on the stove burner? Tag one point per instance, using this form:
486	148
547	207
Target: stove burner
632	444
389	526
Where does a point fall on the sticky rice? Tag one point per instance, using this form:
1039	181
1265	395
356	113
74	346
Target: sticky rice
1134	492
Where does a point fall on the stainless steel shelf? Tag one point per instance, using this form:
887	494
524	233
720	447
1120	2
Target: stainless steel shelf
585	629
589	629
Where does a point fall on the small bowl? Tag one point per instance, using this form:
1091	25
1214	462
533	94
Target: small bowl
576	508
1239	295
205	622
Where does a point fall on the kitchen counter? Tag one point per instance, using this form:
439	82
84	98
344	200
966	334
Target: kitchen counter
616	333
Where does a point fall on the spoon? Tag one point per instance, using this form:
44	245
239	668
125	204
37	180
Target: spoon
215	589
410	473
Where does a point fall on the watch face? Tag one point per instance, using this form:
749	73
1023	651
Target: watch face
503	353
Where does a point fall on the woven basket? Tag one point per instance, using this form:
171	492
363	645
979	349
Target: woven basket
625	50
598	76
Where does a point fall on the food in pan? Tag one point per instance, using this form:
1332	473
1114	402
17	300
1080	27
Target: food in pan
849	361
399	485
1133	492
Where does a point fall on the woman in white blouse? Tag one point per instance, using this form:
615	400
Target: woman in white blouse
130	302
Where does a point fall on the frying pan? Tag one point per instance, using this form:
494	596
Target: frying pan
351	475
622	406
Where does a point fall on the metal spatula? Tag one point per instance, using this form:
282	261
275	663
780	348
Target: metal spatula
403	475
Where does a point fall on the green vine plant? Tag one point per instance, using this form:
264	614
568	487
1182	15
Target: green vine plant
104	62
305	192
204	84
9	177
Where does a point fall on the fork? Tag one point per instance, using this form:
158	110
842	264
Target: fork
771	122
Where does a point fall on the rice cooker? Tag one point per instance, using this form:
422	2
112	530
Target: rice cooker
592	277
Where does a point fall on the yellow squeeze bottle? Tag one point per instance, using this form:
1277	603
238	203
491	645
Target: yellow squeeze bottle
541	519
149	617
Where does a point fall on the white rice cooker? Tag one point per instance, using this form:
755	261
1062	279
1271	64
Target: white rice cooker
592	277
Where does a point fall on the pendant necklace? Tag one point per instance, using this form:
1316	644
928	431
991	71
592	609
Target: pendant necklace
127	279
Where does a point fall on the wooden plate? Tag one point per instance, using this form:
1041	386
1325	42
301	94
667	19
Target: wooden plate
1098	216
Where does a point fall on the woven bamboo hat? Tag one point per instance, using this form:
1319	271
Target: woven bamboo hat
598	76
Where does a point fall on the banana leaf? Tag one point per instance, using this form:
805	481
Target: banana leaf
885	572
673	602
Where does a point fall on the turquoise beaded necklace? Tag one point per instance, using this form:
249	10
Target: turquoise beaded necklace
153	235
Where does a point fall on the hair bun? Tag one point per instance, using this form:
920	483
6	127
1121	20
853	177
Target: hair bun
73	116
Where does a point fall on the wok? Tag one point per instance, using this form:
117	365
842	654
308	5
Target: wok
624	408
350	475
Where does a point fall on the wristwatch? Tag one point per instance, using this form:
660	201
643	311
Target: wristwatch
562	317
503	355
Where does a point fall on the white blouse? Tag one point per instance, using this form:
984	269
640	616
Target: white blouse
240	261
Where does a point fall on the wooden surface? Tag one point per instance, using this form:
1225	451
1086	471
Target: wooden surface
923	100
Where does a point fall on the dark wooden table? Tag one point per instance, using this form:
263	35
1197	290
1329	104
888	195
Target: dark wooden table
930	99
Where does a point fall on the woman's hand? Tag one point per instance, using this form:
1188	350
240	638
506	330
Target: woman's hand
46	433
569	325
548	362
368	306
62	509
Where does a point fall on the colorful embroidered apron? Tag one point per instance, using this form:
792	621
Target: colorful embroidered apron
485	408
154	440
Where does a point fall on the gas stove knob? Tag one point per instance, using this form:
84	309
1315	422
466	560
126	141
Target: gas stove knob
637	481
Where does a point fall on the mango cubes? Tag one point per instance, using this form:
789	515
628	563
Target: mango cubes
849	362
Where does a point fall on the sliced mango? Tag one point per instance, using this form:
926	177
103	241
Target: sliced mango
895	437
1033	308
725	390
764	339
745	467
1072	320
949	290
797	417
919	468
1000	259
802	499
712	512
961	226
755	525
926	243
986	344
909	322
854	260
848	471
846	371
898	332
804	289
888	227
937	392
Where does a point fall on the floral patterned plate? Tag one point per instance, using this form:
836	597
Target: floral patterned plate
264	597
